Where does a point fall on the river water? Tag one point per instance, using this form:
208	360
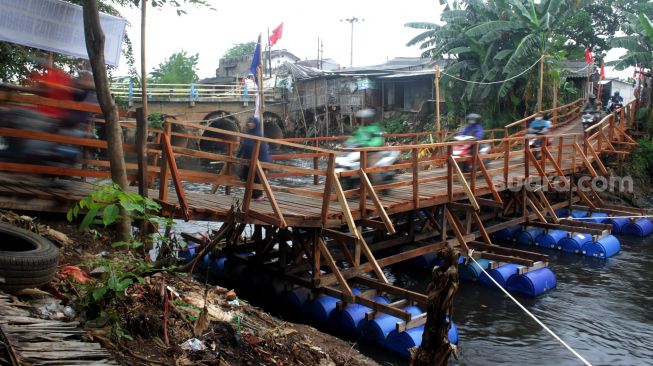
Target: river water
602	308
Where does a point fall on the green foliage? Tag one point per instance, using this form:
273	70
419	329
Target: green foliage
240	49
640	163
180	68
155	120
394	124
103	206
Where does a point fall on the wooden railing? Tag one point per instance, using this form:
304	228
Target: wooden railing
511	161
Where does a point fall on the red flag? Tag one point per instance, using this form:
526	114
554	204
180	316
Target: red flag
588	56
276	34
602	71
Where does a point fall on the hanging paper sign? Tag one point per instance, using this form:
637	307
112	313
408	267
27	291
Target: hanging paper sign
57	26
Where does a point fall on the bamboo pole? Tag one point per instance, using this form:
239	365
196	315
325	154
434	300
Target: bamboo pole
141	142
437	98
261	100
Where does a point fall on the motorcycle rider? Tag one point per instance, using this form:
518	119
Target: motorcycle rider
369	134
591	106
540	124
474	126
616	98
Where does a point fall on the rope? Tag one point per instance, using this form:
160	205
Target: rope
613	217
493	82
532	316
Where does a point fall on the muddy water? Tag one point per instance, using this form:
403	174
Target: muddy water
601	308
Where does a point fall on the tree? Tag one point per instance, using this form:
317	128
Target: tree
180	68
240	49
638	42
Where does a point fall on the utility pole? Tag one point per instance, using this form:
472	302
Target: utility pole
351	21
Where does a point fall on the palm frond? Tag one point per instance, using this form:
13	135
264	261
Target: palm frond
503	54
630	43
421	25
495	26
633	58
645	22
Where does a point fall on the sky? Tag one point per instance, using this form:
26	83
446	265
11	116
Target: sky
210	33
379	37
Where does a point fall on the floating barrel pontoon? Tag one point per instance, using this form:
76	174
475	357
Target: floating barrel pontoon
641	228
440	261
597	217
578	213
422	261
321	307
527	237
562	212
532	283
617	223
295	299
505	235
605	247
500	274
216	267
377	329
348	319
550	238
472	271
574	244
401	342
188	253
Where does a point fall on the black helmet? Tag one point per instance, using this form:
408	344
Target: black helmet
591	96
473	118
616	94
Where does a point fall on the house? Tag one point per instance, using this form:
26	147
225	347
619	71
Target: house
327	64
230	69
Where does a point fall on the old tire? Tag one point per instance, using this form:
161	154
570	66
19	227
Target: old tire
26	259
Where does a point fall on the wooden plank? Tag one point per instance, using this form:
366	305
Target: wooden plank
587	163
273	201
415	322
463	183
598	161
372	314
455	227
508	251
332	265
377	306
247	198
567	227
391	289
490	183
330	174
176	178
346	212
380	210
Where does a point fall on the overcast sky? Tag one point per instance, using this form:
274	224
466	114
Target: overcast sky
381	36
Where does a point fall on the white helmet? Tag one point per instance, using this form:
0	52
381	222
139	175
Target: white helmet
366	113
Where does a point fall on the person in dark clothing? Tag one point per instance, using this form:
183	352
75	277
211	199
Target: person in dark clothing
246	150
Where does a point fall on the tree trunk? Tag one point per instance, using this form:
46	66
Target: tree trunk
95	48
436	349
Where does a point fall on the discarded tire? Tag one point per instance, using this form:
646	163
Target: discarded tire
26	259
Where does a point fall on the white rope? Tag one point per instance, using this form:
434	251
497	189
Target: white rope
612	217
533	316
493	82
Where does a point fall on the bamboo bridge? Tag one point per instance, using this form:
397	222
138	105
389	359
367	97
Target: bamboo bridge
321	236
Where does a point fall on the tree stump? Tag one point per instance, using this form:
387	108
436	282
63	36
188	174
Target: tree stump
436	349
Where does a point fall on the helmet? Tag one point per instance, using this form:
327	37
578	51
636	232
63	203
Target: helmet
473	118
366	113
616	94
591	96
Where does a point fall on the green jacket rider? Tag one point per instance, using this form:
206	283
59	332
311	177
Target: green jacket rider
369	134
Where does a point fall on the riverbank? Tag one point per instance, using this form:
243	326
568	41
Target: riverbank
146	316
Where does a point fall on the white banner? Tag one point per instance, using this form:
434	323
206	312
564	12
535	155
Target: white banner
57	26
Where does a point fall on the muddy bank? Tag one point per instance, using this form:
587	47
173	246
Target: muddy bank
167	318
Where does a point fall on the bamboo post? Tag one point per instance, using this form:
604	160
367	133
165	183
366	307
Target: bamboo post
437	98
554	119
449	173
415	169
474	166
163	173
362	197
229	165
141	135
506	159
541	89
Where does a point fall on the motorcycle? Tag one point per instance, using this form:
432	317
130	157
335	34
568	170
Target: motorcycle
351	161
614	106
588	119
535	144
24	150
464	149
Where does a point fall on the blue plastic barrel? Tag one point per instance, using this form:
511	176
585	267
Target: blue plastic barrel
203	264
295	299
321	307
216	268
527	237
348	319
401	342
188	253
642	227
598	217
423	261
377	329
562	212
532	283
550	238
617	223
505	235
440	261
500	274
574	244
472	271
578	213
605	247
